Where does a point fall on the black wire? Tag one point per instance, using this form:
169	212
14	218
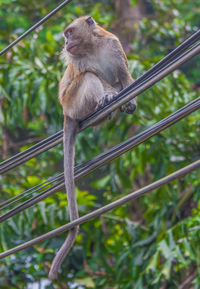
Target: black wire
58	177
132	92
46	140
167	59
32	28
31	152
130	197
104	158
30	191
51	142
93	164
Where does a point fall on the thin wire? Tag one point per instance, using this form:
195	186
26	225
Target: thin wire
120	99
30	191
188	108
168	58
133	92
32	28
32	152
90	120
134	195
194	49
104	158
46	140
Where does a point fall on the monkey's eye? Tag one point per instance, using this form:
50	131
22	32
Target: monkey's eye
71	30
68	32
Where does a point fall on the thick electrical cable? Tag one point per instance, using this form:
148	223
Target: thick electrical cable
94	214
133	92
60	176
36	146
104	158
157	72
25	194
144	82
32	28
31	152
168	58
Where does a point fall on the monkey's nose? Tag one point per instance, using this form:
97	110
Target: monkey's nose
66	42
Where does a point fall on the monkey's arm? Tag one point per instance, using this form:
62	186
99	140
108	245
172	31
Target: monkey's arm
66	81
124	76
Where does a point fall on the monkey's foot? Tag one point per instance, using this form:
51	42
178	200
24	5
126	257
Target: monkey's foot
129	107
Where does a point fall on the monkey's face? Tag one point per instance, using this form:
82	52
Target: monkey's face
78	36
72	41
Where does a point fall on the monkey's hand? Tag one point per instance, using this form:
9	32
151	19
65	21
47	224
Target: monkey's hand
105	100
129	107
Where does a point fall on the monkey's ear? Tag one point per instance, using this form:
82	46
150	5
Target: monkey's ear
90	21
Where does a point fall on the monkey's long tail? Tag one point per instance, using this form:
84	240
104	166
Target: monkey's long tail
70	131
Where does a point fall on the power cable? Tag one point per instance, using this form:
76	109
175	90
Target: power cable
30	191
156	73
32	28
131	93
31	152
60	176
130	197
105	157
139	86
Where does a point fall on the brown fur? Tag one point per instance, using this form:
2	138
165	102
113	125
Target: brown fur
97	70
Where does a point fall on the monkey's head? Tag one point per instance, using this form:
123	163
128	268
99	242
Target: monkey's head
78	36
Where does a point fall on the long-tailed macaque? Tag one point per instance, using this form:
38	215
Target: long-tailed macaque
97	70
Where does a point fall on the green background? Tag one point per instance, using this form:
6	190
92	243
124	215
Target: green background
152	242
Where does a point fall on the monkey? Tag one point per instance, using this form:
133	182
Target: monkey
97	70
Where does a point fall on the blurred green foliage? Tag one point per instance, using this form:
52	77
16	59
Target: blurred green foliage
153	242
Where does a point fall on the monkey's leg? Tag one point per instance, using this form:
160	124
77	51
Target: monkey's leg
126	79
92	94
